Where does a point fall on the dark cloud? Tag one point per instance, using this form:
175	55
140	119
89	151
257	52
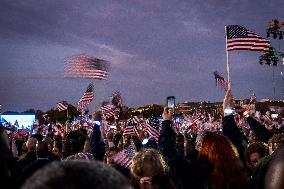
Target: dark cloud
157	48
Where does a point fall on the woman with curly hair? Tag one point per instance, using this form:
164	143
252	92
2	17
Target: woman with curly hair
224	168
149	171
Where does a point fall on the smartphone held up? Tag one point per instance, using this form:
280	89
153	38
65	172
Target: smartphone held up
171	103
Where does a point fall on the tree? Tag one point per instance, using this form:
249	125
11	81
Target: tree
54	116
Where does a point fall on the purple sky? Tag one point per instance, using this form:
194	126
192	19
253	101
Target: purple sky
156	48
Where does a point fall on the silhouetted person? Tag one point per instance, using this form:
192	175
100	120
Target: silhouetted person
42	160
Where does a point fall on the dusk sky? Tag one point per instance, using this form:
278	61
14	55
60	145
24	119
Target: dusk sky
157	48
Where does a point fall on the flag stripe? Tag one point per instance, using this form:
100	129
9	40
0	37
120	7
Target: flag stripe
107	107
87	73
129	130
248	48
61	106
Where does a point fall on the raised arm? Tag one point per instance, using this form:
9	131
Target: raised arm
230	128
260	130
167	136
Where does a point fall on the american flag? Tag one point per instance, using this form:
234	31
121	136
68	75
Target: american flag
86	66
107	107
124	158
195	118
239	38
153	128
62	105
220	81
87	97
194	121
130	130
108	110
109	114
135	120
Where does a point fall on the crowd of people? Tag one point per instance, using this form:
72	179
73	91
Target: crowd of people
239	151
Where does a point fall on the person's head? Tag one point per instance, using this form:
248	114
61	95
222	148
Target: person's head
57	150
80	156
39	130
58	129
74	143
109	154
42	149
24	150
188	145
222	158
31	144
180	139
274	142
147	166
274	178
110	136
252	137
76	175
255	152
87	146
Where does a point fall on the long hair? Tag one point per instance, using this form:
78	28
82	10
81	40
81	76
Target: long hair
221	156
150	164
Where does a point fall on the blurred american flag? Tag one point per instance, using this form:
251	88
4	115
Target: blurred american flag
124	158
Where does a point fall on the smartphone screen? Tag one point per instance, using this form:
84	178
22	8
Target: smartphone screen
171	102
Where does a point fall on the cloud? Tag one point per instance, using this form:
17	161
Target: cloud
156	48
195	27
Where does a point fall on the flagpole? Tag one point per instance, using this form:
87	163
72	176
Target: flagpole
228	64
67	113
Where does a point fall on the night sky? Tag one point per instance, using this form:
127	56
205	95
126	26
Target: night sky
157	48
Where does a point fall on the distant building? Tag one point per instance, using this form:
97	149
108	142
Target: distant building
264	100
190	107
